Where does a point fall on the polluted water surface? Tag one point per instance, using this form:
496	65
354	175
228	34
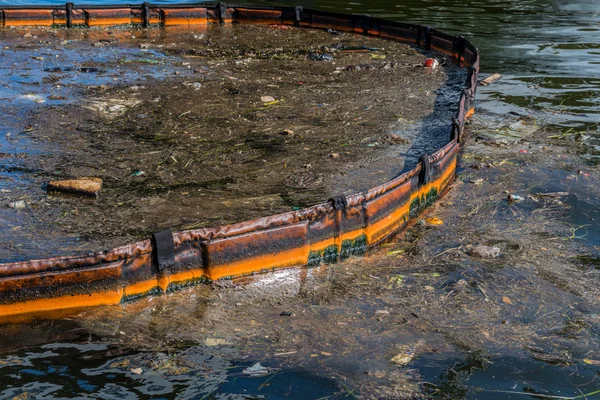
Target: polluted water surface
425	316
191	128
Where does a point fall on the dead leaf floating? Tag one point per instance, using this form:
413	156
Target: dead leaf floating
404	357
435	221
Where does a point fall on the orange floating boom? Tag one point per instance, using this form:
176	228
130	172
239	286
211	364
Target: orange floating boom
326	232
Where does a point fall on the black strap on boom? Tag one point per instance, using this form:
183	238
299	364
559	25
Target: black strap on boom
146	14
338	202
222	11
69	14
299	13
425	173
164	249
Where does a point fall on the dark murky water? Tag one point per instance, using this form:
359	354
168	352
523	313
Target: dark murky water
503	377
99	371
549	54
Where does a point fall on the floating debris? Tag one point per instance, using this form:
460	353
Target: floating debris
33	97
267	99
405	356
18	204
256	370
287	314
193	85
434	221
86	186
399	139
485	251
319	57
490	79
514	198
212	342
111	107
432	63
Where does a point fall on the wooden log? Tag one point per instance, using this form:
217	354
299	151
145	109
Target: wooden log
86	186
490	79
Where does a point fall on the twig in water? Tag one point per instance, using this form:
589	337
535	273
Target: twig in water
444	252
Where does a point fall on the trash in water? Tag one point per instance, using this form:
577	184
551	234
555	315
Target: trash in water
395	252
431	63
139	61
256	370
33	97
319	57
485	251
110	107
85	70
212	342
514	198
287	314
88	70
398	139
284	27
580	172
193	85
267	99
18	204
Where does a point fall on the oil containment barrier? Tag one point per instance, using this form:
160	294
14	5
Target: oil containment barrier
324	233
